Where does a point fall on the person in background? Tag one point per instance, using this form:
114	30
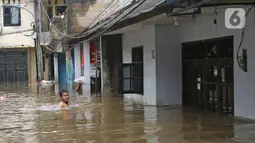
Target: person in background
79	87
64	96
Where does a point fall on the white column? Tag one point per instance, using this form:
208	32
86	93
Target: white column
77	60
56	72
101	67
86	87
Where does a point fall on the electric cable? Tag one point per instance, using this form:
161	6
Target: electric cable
20	7
241	42
111	13
111	26
69	36
101	13
16	32
80	36
104	22
16	5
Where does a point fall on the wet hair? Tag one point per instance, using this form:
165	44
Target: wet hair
62	92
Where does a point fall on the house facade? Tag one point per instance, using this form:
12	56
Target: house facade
186	58
178	69
17	48
78	15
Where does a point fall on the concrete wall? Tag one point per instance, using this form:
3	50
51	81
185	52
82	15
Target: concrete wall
203	28
112	59
142	37
168	65
89	13
8	41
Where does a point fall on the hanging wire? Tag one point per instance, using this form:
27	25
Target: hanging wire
69	36
126	2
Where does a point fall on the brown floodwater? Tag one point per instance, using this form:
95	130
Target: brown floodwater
30	117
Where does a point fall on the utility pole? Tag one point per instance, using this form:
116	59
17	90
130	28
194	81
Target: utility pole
38	20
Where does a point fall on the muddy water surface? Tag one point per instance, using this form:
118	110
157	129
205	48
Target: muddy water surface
33	118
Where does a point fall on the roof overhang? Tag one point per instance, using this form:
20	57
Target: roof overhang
162	7
230	2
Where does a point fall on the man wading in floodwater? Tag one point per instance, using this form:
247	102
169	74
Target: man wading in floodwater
64	99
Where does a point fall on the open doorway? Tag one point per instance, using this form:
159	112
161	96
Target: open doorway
208	74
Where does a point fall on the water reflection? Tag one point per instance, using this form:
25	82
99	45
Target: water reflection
109	120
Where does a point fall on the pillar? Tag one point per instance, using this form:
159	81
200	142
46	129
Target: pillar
46	70
86	87
55	58
77	60
101	67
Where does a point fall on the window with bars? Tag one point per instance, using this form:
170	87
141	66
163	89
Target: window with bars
133	73
12	16
133	78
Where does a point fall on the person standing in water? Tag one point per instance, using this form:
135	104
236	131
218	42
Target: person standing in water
64	96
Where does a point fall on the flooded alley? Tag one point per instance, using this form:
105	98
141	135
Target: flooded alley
27	117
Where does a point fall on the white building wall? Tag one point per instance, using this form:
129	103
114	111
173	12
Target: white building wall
168	66
77	60
19	39
142	37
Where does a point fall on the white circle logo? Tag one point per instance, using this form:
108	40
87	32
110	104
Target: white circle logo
235	18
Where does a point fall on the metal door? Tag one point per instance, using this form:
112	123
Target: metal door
13	67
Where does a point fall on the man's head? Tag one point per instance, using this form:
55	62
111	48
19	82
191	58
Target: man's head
64	96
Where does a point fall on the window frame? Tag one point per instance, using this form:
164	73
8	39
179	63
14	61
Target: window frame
7	24
132	88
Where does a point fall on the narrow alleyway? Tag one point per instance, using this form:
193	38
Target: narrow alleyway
31	118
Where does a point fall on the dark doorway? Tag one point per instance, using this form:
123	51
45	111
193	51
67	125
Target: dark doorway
137	55
208	74
13	67
137	71
112	60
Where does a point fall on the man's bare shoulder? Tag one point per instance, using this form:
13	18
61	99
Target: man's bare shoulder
62	105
